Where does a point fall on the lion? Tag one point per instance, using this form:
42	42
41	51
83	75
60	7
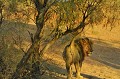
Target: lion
74	53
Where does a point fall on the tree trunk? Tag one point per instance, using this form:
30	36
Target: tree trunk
33	51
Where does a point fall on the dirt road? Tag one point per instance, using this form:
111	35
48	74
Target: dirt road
103	64
107	54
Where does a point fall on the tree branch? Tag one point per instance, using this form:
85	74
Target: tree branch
31	36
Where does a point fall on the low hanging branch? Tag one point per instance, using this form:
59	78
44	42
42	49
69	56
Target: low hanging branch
31	36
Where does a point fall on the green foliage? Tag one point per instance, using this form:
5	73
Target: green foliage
69	11
12	6
72	13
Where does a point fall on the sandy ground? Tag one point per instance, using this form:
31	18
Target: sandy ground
102	64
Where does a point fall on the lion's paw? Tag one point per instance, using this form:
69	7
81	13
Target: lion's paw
80	77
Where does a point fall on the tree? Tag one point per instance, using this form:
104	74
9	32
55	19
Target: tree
74	15
42	7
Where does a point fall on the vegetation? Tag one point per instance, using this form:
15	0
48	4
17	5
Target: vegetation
62	16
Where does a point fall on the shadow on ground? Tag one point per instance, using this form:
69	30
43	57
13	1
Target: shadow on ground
56	72
106	54
90	76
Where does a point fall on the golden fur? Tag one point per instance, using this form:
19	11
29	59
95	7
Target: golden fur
74	53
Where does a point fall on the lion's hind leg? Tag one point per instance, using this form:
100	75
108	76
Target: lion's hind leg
78	69
69	71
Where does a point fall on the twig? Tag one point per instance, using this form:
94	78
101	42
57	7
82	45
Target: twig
31	36
15	42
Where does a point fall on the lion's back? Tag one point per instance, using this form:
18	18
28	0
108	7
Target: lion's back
71	55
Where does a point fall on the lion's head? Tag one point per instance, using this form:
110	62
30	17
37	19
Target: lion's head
86	45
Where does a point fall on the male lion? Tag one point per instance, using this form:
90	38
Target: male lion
74	53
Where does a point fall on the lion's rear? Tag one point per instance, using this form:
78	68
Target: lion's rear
74	53
67	55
